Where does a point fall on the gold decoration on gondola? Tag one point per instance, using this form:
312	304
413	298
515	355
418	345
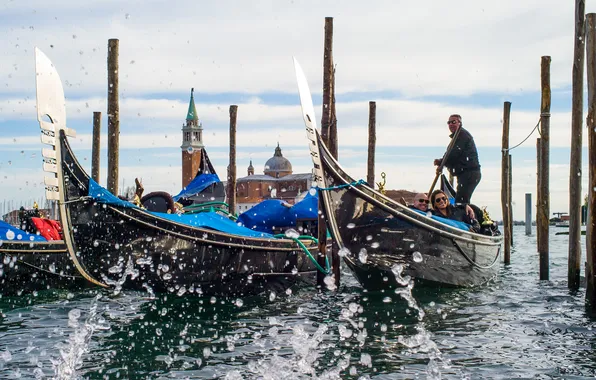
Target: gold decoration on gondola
381	185
486	220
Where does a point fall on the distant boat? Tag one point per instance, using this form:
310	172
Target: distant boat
583	232
564	224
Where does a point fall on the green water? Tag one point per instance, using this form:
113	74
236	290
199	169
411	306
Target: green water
514	327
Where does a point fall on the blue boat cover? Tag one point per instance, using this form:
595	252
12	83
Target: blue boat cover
198	184
450	222
272	213
8	232
211	220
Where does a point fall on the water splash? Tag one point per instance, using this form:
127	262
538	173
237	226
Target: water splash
71	352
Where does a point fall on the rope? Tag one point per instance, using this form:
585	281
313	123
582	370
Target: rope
326	270
353	184
524	140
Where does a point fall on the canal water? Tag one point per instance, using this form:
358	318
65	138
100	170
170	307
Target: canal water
514	327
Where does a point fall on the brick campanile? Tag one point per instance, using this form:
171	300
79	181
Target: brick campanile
192	142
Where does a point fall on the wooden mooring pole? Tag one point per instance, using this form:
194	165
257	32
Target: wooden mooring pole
591	124
543	213
510	200
505	185
575	162
232	165
372	141
96	146
113	116
538	189
326	120
528	214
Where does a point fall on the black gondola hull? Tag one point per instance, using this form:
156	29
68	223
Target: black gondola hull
134	249
384	241
27	267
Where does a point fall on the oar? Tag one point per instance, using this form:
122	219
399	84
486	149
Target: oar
440	168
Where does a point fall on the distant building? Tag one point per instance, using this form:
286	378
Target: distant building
277	182
192	142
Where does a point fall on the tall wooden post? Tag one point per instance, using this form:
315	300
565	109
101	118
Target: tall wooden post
544	201
333	146
327	80
96	146
538	191
113	116
232	167
372	142
591	124
575	162
510	200
505	186
326	121
528	214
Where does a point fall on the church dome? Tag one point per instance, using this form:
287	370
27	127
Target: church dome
277	163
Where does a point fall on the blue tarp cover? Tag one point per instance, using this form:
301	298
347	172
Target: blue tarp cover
200	183
210	220
8	232
272	213
450	222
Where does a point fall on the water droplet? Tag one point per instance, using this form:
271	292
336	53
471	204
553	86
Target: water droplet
362	256
292	233
375	244
127	16
351	225
417	257
343	252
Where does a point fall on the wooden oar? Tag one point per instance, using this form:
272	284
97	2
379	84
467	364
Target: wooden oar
440	168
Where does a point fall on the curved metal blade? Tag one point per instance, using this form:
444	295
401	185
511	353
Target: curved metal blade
308	114
50	93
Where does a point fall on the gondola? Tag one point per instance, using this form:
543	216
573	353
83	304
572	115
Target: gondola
33	266
113	243
31	263
385	243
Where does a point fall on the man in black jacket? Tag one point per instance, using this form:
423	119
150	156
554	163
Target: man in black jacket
462	161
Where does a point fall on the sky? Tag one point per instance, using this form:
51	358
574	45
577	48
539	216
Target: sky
419	61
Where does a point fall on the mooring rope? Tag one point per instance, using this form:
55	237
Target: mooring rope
524	140
326	270
353	184
532	132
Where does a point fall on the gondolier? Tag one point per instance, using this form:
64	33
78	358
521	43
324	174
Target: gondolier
462	160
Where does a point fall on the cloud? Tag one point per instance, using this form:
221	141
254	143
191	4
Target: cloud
413	48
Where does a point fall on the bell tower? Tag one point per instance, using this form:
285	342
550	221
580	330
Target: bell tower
192	142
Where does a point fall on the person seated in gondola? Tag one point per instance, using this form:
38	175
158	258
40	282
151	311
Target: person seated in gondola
420	202
463	213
